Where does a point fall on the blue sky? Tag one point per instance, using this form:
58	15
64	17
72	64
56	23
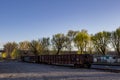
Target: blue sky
32	19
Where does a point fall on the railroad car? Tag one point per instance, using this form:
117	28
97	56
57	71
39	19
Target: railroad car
78	60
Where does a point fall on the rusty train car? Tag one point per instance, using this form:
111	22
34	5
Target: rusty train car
78	60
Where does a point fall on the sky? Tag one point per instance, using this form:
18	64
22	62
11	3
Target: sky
22	20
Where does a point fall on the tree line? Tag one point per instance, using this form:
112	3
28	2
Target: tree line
100	43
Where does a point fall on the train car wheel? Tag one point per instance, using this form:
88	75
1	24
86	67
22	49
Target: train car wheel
78	65
87	65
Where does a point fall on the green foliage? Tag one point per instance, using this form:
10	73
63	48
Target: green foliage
35	47
70	35
45	43
15	54
9	47
90	47
81	40
101	41
24	45
115	39
59	42
4	55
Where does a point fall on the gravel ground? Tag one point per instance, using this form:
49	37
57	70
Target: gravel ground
30	71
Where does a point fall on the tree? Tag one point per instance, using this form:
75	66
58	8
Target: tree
115	39
15	54
9	47
101	41
35	47
45	43
90	47
81	40
59	42
71	35
24	45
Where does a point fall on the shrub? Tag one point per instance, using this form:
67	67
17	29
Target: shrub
4	55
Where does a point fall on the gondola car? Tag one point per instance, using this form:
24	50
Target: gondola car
78	60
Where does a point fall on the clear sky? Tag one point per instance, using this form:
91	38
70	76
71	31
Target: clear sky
32	19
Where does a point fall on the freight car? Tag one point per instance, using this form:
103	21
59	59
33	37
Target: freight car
78	60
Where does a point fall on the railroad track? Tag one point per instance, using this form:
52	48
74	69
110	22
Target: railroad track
108	70
102	69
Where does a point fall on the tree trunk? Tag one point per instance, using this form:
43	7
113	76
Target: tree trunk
58	51
118	51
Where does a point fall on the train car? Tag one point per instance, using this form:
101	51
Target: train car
78	60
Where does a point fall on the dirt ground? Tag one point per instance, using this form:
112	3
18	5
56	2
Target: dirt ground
29	71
